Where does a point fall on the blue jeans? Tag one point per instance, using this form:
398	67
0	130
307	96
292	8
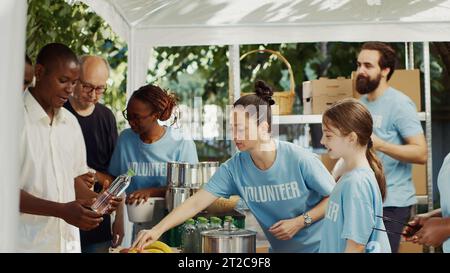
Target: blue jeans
102	247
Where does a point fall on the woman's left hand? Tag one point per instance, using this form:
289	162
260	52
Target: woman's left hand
138	196
286	229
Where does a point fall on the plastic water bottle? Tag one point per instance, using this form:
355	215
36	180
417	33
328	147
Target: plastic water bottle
228	222
202	225
117	187
188	236
215	223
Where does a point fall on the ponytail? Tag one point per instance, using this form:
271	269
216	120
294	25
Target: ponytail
377	168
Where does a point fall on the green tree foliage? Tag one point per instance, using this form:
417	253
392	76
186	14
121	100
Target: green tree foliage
86	33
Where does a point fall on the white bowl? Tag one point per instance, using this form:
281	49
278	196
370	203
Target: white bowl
145	211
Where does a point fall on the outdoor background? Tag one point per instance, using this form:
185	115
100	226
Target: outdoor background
202	71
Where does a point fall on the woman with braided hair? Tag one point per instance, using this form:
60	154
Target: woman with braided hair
147	146
285	187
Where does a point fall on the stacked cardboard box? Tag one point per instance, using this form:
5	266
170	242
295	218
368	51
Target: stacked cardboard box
319	94
419	177
408	247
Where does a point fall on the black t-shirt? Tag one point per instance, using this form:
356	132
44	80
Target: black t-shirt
100	136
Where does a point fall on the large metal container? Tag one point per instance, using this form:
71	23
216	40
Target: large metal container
176	174
208	168
192	176
176	196
228	241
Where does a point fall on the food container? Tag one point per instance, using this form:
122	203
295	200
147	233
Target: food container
176	174
146	211
192	176
208	168
176	196
228	240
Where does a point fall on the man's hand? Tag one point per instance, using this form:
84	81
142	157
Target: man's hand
104	179
114	203
87	178
417	223
138	196
286	229
117	231
433	232
77	213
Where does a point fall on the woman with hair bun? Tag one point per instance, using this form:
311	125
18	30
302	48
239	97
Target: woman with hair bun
147	146
285	187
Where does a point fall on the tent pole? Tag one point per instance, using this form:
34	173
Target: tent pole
138	61
411	55
406	56
234	79
13	22
426	64
234	73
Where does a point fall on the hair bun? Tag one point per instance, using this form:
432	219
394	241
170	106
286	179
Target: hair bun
264	91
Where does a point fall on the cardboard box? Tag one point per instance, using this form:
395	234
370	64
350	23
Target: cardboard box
419	177
409	247
407	81
319	94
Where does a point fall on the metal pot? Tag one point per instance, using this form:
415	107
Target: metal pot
192	176
229	241
176	174
176	196
208	168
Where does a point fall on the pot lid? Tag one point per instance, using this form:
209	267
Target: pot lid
234	232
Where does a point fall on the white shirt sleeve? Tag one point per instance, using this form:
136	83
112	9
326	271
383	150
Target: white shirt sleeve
80	155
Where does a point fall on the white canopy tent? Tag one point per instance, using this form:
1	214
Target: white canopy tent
145	24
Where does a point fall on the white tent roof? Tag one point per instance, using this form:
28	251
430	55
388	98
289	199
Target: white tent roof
148	23
222	22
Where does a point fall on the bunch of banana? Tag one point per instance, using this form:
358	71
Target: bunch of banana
156	247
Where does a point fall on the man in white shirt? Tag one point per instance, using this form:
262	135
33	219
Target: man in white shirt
52	156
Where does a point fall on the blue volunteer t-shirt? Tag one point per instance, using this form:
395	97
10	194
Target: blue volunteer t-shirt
352	214
149	160
295	183
394	119
444	191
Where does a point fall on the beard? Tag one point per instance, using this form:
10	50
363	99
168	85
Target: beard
364	85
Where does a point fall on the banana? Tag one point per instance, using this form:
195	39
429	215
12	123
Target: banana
153	250
161	246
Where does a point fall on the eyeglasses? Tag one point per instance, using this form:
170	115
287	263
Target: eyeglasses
88	88
134	118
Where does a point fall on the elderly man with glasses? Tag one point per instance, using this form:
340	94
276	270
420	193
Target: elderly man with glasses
99	128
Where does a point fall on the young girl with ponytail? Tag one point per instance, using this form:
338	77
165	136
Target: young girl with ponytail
353	221
285	187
